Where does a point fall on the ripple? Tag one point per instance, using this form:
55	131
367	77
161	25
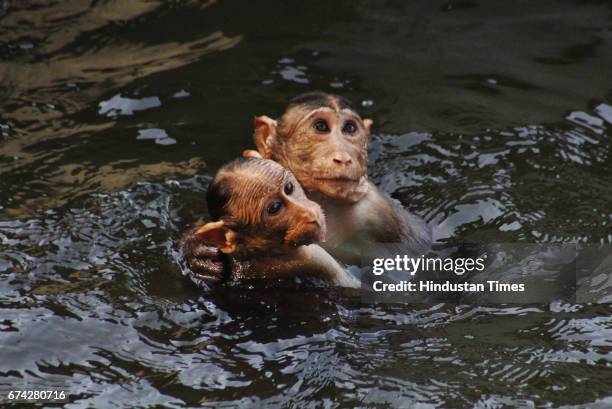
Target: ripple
493	126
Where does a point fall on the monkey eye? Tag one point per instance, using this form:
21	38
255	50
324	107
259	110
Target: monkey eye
321	126
274	207
288	188
349	127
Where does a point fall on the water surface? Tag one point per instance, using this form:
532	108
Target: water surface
493	120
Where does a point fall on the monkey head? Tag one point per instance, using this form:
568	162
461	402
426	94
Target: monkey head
323	141
259	208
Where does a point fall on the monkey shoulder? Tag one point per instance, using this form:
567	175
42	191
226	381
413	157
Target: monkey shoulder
385	220
376	218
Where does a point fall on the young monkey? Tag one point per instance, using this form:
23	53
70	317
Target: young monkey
323	141
263	222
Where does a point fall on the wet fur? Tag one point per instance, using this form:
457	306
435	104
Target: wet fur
357	212
266	246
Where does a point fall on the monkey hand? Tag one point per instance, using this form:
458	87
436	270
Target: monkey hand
250	153
203	264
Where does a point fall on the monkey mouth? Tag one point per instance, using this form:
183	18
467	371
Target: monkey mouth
344	188
337	178
313	233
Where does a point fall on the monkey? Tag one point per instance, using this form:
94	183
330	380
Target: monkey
323	141
265	225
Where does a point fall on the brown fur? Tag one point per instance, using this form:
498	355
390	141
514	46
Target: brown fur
255	243
239	198
332	168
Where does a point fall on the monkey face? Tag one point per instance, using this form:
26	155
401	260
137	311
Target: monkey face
327	151
289	213
266	211
323	141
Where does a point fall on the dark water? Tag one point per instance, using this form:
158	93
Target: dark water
493	120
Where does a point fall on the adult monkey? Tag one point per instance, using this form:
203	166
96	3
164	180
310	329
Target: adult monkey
323	141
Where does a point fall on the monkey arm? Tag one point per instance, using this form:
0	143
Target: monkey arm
205	265
318	262
305	261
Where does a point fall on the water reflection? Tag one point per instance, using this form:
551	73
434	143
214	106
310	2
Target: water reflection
119	105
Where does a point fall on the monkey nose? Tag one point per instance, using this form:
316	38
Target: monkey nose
342	160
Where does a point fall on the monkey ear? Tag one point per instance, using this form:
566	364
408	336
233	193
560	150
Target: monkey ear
367	122
218	235
264	134
250	153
